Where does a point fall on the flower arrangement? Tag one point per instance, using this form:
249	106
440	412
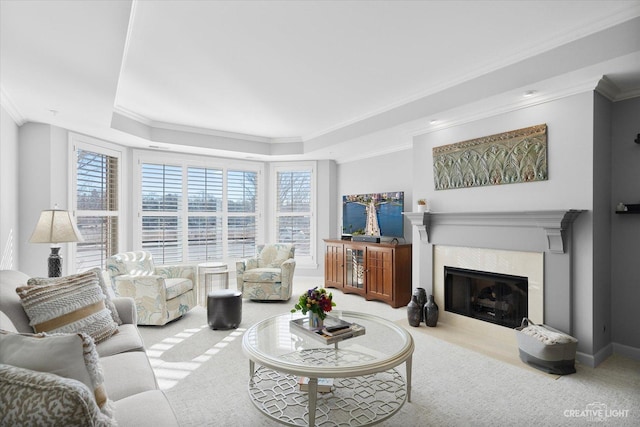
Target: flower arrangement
422	201
315	300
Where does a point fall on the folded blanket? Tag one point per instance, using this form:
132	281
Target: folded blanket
547	336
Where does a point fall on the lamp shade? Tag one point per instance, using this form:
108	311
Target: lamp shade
55	226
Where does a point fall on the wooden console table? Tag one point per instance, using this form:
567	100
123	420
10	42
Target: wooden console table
377	271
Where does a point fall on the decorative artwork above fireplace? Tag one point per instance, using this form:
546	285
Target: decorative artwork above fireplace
505	158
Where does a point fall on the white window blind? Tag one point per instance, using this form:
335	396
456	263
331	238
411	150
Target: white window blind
205	189
242	199
97	210
197	211
161	212
293	209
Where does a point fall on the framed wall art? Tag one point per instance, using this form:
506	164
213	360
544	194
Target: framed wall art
505	158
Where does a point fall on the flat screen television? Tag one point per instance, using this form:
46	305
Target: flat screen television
376	214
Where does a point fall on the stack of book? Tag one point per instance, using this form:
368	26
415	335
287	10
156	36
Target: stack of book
334	329
324	384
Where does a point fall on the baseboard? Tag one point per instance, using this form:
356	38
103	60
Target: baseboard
627	351
608	350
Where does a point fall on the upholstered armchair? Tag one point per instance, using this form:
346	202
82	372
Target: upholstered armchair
269	275
161	293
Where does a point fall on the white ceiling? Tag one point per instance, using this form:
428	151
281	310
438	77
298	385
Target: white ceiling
300	79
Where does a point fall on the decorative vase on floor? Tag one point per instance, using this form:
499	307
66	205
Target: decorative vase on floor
413	311
422	300
315	321
431	312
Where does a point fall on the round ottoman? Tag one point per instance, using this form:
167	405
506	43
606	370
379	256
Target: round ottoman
224	309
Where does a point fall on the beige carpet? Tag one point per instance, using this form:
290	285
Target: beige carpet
455	383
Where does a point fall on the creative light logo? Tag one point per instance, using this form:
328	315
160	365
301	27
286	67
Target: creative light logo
596	412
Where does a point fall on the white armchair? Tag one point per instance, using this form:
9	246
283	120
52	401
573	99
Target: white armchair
269	275
161	293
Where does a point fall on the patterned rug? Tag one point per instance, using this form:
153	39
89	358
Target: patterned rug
206	378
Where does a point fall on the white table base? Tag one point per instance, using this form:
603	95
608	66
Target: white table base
356	401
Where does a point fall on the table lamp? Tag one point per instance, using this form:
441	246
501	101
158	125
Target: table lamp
55	226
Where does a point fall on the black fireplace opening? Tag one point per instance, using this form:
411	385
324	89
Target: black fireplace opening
497	298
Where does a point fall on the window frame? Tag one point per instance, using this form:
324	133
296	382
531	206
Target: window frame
82	142
302	261
187	161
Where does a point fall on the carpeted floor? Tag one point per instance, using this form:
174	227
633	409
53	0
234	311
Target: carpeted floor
455	382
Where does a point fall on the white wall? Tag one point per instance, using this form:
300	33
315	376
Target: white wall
389	172
570	160
43	183
570	184
9	231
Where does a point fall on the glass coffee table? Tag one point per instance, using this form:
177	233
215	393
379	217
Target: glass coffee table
366	388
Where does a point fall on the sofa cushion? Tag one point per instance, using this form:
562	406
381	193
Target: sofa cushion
127	374
36	398
92	274
67	355
68	304
177	287
10	301
127	339
262	275
6	323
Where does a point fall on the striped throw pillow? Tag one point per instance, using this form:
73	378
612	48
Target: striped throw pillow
67	305
87	275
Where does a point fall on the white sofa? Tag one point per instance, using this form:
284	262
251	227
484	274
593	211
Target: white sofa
129	380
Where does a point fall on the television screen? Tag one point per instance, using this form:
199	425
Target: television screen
374	214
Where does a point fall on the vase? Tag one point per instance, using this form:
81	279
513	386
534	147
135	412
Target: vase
431	312
315	321
422	300
413	311
422	208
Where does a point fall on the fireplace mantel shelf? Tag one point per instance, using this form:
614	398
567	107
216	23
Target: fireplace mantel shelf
555	223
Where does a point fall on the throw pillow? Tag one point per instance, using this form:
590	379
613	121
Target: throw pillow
33	398
67	305
86	276
66	355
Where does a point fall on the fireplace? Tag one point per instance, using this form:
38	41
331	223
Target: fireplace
532	244
492	297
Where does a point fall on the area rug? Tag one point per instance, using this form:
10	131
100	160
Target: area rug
205	375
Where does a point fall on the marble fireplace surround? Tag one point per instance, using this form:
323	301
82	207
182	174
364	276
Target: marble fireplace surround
546	233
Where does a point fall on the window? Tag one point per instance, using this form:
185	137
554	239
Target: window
205	188
195	211
294	220
96	178
242	192
161	212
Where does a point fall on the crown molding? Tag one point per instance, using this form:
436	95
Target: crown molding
612	92
628	95
376	153
608	89
188	129
10	107
516	104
